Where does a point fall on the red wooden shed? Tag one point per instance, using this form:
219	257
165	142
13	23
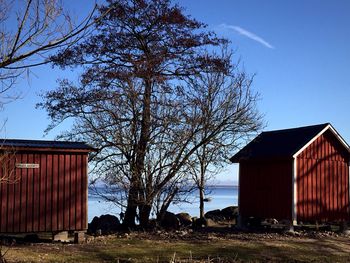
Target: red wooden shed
43	186
299	174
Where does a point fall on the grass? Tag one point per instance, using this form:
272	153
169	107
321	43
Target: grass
206	248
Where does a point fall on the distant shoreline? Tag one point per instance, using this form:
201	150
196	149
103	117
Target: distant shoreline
207	186
223	185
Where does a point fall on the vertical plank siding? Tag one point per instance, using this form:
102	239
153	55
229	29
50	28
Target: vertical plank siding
52	197
36	195
43	192
66	192
261	198
323	181
61	193
54	192
72	192
84	194
78	191
17	185
23	195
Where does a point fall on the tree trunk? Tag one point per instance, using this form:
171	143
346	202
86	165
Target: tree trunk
162	212
131	209
145	211
166	205
201	202
201	186
135	188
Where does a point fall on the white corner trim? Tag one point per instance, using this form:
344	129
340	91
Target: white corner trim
294	169
239	187
294	192
311	141
340	139
239	220
335	133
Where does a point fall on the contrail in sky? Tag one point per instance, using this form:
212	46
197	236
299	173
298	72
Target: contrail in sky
247	34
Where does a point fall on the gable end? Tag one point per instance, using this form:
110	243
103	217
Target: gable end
333	131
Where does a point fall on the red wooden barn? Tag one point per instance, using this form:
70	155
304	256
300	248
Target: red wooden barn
43	186
299	174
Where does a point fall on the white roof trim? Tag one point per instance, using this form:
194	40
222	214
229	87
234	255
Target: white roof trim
336	134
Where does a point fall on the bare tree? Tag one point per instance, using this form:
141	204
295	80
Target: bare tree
218	96
29	31
7	167
138	102
140	48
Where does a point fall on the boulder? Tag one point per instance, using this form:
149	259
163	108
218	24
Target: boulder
185	219
153	224
210	223
170	221
105	224
215	215
199	222
344	228
230	212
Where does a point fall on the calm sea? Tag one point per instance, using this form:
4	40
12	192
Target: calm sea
220	197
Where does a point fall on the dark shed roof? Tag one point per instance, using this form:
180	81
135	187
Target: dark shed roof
16	143
279	143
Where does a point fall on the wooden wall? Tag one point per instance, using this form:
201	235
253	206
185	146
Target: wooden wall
323	181
265	189
50	196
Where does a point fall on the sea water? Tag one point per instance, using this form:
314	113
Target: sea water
219	197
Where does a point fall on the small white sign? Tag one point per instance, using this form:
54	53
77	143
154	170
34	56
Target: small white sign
27	165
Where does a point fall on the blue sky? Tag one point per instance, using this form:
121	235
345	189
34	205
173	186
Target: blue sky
299	51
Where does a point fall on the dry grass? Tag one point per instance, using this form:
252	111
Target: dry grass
191	248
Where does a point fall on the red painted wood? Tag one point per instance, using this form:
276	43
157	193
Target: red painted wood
261	198
341	190
314	187
43	191
36	194
299	191
49	190
51	197
3	226
338	186
54	214
304	187
84	192
10	193
323	187
322	178
23	195
17	191
72	192
67	172
318	187
61	190
344	193
309	189
29	201
330	182
79	189
2	223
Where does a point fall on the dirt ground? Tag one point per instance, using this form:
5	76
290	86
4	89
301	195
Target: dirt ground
224	245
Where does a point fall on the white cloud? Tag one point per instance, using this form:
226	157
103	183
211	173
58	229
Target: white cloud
247	34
